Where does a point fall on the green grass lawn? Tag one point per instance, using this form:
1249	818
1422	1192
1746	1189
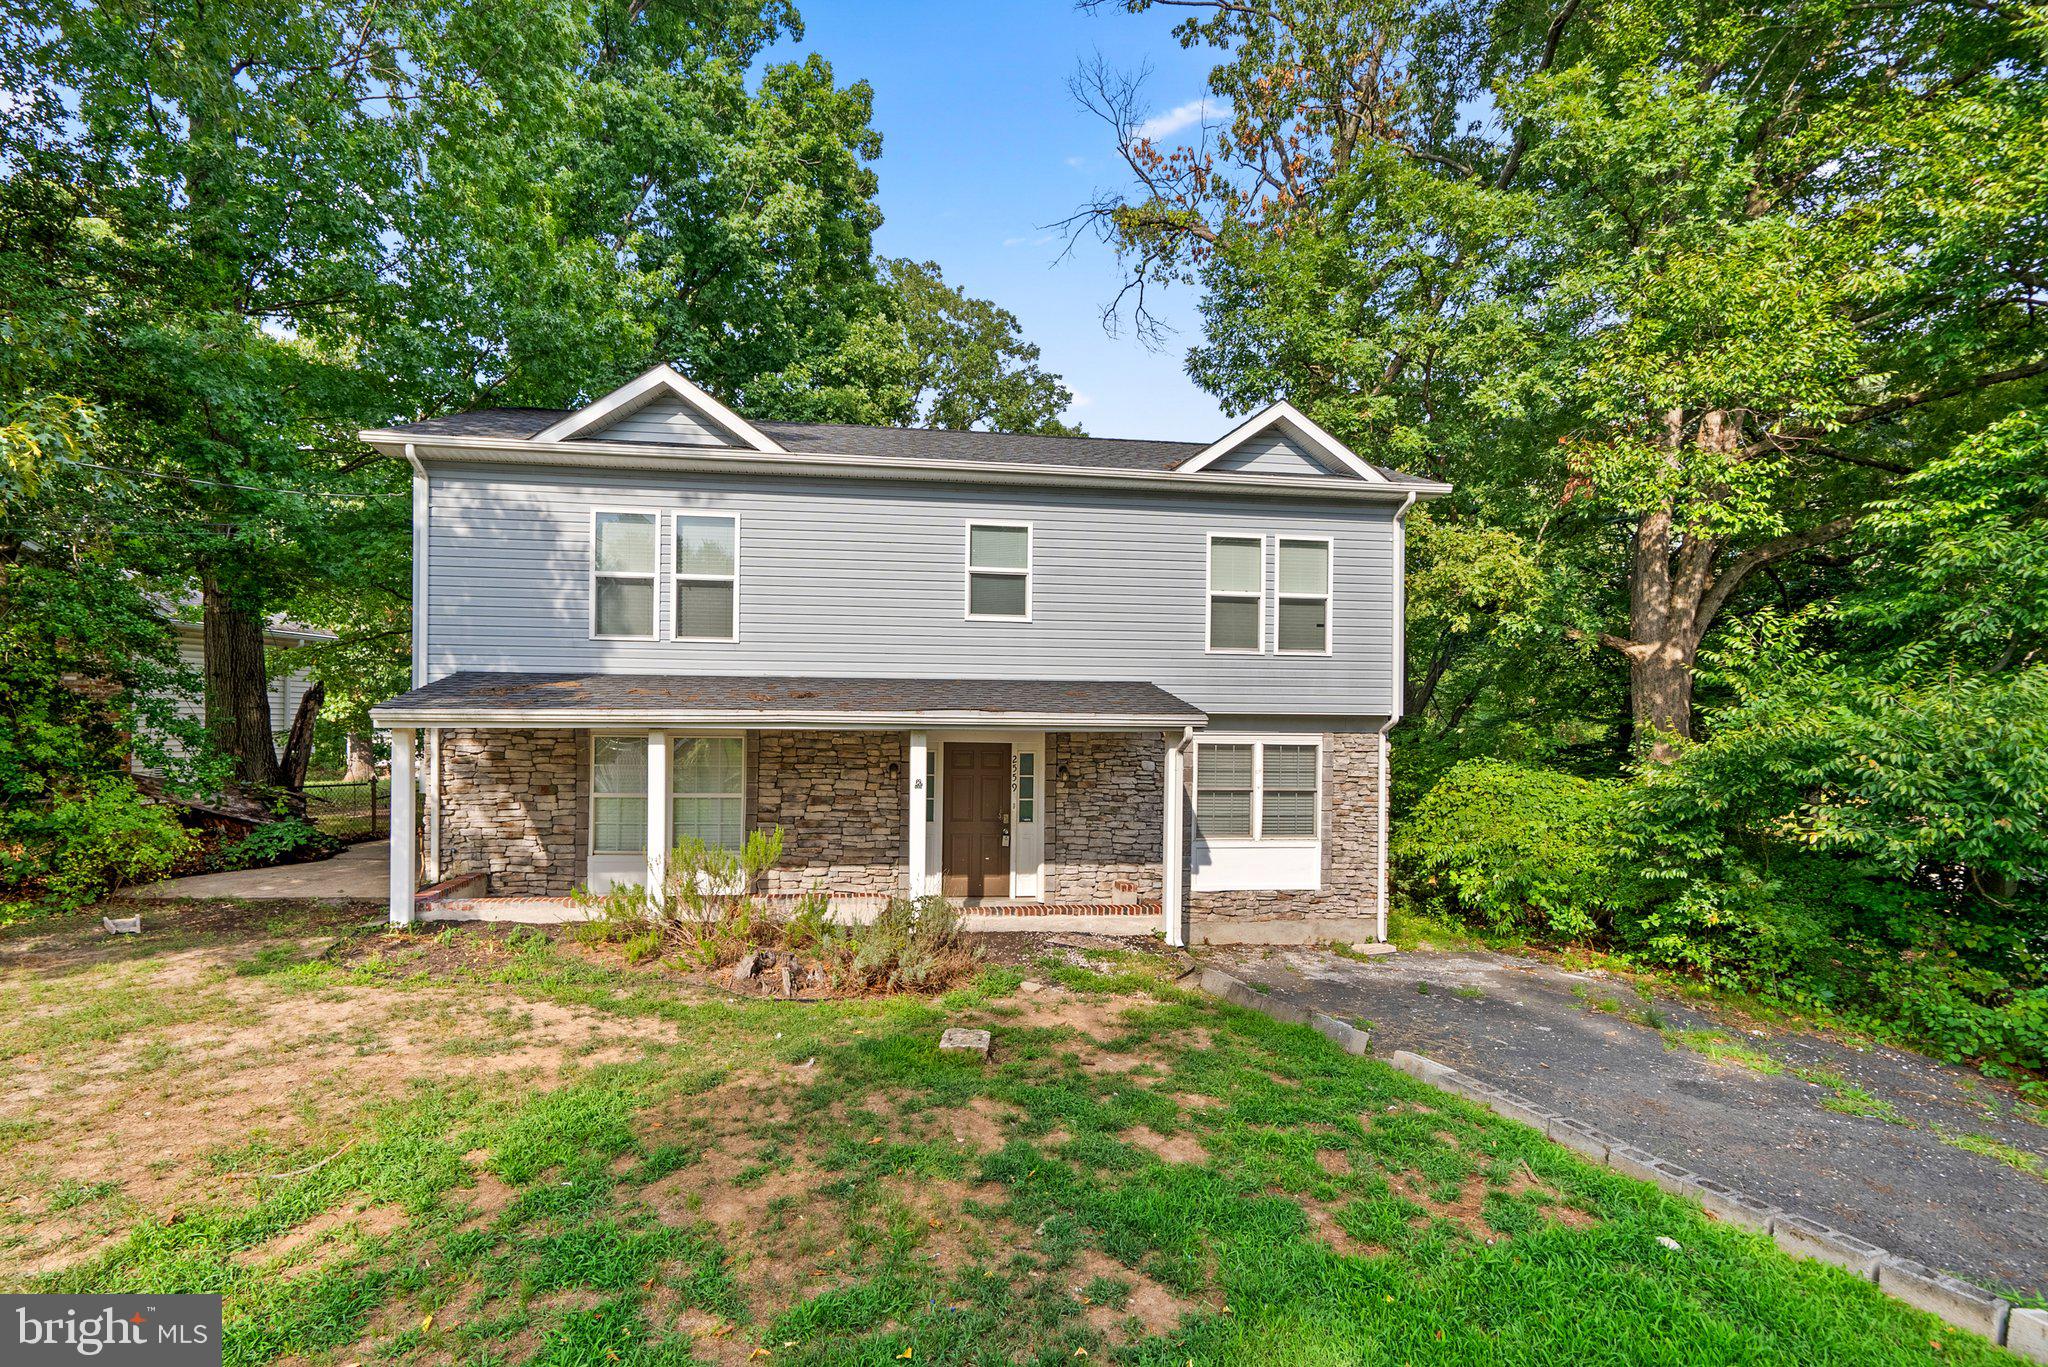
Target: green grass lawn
473	1148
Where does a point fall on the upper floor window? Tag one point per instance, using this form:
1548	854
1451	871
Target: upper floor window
999	571
707	577
1237	593
622	576
1257	790
1302	621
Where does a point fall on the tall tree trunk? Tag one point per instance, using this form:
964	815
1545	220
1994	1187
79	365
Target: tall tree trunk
362	765
1677	586
237	693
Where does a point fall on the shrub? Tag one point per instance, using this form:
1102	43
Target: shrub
1516	848
82	847
276	842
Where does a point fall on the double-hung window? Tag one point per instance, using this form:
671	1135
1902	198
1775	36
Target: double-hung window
710	787
1256	790
1302	621
1237	593
622	553
998	571
618	795
707	577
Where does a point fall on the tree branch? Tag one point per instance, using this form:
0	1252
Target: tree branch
1755	558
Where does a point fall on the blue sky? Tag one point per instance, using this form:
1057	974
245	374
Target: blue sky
982	147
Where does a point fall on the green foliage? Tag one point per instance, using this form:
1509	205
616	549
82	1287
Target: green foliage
87	844
277	842
1510	847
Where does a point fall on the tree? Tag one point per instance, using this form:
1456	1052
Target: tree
1710	277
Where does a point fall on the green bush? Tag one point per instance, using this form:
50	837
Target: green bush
82	847
1508	847
276	842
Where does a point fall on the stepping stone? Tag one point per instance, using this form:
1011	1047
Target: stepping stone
122	925
957	1040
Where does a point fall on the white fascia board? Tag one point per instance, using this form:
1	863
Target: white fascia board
634	393
638	456
1284	414
681	719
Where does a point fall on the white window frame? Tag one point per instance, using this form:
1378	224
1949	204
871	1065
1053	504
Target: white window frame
590	839
675	770
1329	594
1258	745
653	575
1210	595
677	578
970	570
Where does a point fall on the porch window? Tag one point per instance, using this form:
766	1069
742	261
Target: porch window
710	790
1027	787
618	795
1237	593
1303	624
1257	790
622	576
998	571
1223	790
707	577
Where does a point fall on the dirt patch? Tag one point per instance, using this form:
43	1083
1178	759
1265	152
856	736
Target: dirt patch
364	1222
1335	1162
1327	1228
1469	1207
1155	1309
1175	1148
983	1123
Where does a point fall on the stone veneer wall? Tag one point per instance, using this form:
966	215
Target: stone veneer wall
842	815
1106	814
1346	907
512	807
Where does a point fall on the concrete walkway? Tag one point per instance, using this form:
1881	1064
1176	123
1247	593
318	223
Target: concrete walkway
1634	1071
358	874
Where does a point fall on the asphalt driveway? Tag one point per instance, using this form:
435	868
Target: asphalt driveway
1587	1045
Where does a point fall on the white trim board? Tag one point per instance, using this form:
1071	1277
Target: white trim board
1298	425
633	394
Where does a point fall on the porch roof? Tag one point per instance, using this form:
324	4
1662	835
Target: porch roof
504	699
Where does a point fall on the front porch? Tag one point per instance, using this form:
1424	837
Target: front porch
1026	826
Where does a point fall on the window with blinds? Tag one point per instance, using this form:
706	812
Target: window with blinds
709	787
618	795
622	576
707	577
1257	790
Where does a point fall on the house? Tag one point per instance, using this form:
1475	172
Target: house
281	638
1143	683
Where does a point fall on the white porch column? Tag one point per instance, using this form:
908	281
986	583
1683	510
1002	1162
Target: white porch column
403	881
658	761
433	787
920	750
1171	860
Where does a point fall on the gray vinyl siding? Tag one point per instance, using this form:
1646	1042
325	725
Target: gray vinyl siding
1273	452
668	420
856	577
286	690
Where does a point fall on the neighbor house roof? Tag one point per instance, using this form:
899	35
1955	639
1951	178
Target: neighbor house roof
482	698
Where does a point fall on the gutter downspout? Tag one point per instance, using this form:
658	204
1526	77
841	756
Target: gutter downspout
1400	693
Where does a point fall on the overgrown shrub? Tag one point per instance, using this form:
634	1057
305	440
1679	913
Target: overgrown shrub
710	917
1509	847
82	847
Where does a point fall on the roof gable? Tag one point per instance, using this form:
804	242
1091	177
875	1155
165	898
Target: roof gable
660	408
1282	440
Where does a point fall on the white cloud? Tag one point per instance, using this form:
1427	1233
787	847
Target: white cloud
1079	400
1077	162
1204	110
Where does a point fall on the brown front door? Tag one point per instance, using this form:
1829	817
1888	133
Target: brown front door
976	856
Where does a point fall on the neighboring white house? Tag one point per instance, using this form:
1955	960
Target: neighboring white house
286	688
1144	680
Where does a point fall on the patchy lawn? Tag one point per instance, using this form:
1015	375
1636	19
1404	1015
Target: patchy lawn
481	1147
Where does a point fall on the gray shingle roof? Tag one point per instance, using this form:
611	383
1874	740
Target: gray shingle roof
895	443
744	696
